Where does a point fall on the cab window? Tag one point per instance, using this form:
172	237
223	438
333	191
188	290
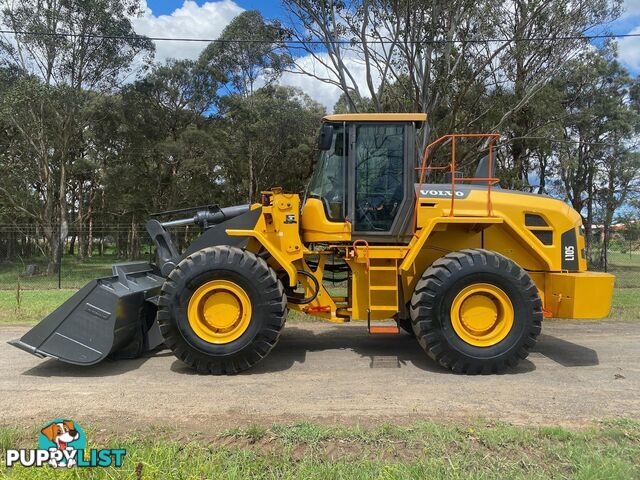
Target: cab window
327	182
379	176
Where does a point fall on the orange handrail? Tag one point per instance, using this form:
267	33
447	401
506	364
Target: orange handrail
493	137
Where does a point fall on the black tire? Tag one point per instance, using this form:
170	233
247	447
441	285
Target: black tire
406	325
431	311
265	292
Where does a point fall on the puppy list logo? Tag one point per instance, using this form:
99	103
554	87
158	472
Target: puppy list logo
62	443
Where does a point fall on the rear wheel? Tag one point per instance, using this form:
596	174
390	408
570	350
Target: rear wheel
221	310
476	311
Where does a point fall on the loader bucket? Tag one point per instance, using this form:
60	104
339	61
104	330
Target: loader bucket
108	316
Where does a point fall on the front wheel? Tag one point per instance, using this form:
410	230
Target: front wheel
476	311
221	310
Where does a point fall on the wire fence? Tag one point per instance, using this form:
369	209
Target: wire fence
621	258
33	259
28	261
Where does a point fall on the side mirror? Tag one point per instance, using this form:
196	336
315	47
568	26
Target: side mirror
326	137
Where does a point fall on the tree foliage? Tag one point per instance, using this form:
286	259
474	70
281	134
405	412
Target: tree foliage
95	135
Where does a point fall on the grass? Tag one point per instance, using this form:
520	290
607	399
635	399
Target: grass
624	259
74	273
626	304
480	450
626	295
34	305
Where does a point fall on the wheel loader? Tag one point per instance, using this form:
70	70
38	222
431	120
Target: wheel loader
421	242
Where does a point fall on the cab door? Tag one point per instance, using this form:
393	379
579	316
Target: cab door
381	180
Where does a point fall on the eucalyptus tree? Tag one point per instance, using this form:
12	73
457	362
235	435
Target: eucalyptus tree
441	52
165	115
251	53
68	51
281	124
599	164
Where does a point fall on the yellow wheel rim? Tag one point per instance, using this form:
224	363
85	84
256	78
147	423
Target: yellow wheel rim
482	314
219	311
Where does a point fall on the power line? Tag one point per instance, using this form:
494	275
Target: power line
320	42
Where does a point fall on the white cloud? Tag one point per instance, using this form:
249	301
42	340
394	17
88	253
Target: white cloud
325	93
189	21
631	8
629	50
208	21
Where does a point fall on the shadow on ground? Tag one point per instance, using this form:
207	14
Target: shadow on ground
565	353
381	351
106	368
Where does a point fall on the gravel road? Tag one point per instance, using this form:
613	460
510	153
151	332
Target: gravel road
579	372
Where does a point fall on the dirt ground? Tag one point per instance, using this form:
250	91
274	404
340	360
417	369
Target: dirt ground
579	372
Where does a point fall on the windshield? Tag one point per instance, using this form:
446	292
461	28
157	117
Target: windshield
327	182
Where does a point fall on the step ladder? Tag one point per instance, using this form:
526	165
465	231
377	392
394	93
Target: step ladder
383	289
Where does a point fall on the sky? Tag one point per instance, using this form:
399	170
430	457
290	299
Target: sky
207	19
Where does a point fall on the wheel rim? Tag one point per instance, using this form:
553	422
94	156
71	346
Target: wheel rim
219	311
482	314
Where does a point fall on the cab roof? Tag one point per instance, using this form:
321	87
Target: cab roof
376	117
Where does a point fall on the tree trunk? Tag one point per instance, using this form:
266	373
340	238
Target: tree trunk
62	210
604	257
9	246
80	222
54	262
543	175
589	239
250	158
102	230
89	252
72	245
133	243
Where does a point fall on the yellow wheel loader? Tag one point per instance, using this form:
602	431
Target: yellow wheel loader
469	268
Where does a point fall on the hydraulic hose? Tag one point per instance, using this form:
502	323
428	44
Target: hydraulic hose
295	299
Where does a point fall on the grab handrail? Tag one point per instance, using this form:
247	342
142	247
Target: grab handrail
451	138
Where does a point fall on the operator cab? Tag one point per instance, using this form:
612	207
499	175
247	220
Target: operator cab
363	184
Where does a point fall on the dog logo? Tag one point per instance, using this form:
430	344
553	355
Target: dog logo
65	436
62	443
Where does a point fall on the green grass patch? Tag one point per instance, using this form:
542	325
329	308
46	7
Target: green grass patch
626	297
626	304
627	259
479	450
626	277
30	306
74	273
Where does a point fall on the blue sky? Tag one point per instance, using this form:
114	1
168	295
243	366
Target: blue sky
268	9
207	19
